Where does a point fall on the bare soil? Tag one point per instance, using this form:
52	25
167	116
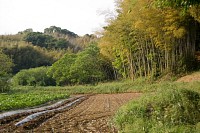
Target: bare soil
190	78
92	115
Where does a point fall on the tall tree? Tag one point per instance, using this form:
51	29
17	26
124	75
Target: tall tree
60	70
5	67
5	64
146	40
87	67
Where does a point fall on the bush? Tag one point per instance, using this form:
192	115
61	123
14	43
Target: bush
166	111
33	77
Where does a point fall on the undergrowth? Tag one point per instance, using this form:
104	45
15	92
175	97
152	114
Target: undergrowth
165	111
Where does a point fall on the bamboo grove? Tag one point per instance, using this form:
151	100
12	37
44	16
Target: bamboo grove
150	40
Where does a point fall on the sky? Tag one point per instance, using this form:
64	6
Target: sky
79	16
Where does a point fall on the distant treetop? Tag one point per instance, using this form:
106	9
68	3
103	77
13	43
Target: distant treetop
57	30
26	31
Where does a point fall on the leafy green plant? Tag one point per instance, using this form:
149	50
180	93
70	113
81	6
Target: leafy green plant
22	97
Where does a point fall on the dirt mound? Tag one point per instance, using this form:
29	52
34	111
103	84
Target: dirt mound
190	78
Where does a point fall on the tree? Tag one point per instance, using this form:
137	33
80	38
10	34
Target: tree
26	31
62	43
60	70
5	64
28	56
58	32
32	77
149	41
83	68
39	39
87	67
5	67
47	41
177	3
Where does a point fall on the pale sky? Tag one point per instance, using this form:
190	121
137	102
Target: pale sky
79	16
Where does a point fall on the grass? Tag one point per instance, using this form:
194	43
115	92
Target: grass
172	108
140	85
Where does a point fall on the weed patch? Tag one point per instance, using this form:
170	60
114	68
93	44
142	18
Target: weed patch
169	110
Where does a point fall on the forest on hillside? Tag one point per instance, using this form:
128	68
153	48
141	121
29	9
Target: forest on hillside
148	38
30	54
29	49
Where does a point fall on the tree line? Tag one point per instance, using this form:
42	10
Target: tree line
55	57
86	67
29	49
152	38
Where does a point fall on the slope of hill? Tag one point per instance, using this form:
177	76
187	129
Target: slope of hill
29	49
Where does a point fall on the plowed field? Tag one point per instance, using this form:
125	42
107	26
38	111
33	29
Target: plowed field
92	115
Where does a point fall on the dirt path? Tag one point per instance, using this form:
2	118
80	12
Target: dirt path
90	116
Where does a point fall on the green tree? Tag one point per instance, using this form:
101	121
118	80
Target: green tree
60	70
62	43
58	32
82	68
26	57
26	31
40	39
87	67
5	67
32	77
5	64
47	41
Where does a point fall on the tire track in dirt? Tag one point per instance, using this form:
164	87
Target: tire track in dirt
90	116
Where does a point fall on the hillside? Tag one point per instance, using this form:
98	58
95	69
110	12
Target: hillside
29	49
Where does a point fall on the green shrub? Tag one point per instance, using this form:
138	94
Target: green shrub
33	77
168	110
